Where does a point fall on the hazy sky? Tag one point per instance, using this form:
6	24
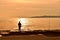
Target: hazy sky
23	8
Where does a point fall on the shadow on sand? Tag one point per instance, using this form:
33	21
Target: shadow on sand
45	33
51	34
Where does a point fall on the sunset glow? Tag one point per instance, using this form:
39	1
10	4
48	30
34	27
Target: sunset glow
23	21
13	11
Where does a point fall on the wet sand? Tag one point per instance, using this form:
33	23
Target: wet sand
30	37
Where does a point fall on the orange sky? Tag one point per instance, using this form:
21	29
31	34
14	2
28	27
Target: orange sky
23	8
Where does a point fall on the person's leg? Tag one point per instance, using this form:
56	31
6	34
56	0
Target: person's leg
19	28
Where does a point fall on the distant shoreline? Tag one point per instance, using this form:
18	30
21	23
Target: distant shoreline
45	17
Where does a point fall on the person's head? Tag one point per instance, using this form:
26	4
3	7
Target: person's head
19	22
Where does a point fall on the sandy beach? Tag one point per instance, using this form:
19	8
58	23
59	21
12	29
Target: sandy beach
30	37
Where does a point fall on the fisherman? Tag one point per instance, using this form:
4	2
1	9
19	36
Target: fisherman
19	26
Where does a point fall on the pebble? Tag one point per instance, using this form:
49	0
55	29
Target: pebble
0	35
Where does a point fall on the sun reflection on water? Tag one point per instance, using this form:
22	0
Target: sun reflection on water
24	21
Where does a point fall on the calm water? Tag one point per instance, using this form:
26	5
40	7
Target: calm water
31	23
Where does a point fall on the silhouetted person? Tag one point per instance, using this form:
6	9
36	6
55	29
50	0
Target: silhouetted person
19	26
